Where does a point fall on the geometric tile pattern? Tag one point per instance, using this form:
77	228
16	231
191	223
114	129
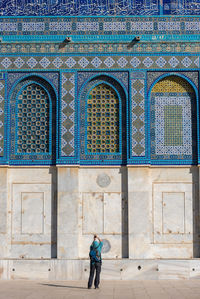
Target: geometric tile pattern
173	120
138	117
2	103
179	25
173	125
102	120
68	115
108	62
33	120
173	133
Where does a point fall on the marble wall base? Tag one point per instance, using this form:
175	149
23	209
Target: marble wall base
62	270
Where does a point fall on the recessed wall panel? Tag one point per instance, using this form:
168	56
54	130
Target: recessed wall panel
32	213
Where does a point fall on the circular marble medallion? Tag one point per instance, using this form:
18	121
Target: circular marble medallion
106	246
103	180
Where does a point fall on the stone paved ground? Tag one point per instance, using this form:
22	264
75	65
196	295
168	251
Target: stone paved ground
109	289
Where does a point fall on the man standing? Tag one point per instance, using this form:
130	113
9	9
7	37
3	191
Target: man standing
95	261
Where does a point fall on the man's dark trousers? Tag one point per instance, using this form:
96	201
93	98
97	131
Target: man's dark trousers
94	266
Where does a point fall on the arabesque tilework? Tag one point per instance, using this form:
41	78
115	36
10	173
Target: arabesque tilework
173	120
98	7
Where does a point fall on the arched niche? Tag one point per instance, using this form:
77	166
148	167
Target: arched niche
33	122
173	121
103	132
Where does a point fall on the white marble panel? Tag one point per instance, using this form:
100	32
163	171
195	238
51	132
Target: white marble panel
31	220
173	202
68	212
20	175
173	269
112	213
194	269
32	212
3	200
92	213
170	213
30	269
100	179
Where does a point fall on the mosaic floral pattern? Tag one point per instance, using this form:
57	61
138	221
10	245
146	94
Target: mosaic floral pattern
68	115
173	120
33	120
102	120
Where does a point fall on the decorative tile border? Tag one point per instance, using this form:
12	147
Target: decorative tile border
68	115
138	115
124	25
92	62
2	103
99	48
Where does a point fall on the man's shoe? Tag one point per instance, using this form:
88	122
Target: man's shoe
89	288
96	287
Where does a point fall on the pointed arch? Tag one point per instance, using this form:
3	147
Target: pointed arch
103	134
173	116
33	121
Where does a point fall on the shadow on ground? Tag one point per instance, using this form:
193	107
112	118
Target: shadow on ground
62	286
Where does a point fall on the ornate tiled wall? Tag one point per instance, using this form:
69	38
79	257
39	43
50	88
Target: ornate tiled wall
102	48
